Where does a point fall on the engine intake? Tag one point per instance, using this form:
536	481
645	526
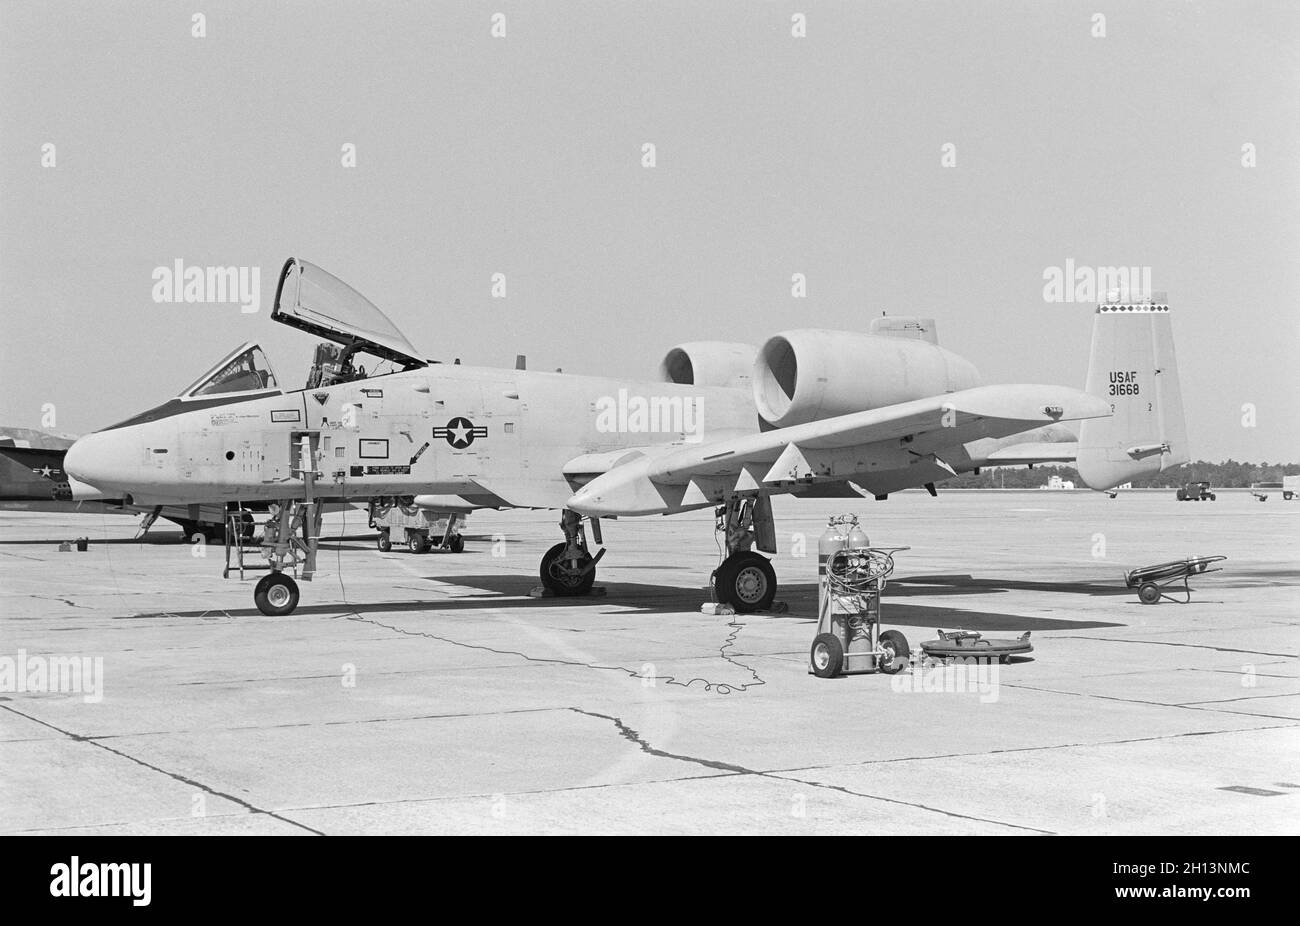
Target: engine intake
811	374
709	363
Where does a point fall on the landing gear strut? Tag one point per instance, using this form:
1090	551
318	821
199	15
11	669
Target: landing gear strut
745	580
289	541
568	569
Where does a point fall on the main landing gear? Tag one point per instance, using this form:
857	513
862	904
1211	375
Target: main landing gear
568	569
745	580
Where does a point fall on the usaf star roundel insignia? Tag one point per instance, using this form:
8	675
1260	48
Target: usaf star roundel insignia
460	432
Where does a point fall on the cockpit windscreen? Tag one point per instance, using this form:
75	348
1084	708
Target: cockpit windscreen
245	370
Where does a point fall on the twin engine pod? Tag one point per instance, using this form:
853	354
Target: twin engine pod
811	374
808	375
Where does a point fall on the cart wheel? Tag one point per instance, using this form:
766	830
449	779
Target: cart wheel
827	655
896	652
385	542
1149	593
276	595
457	543
417	542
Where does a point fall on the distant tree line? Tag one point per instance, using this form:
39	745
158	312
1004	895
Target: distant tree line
1228	475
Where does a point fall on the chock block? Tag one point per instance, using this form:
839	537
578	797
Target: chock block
715	608
541	591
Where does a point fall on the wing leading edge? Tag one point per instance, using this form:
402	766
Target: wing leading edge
883	450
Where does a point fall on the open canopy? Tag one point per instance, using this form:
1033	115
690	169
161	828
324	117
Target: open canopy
318	302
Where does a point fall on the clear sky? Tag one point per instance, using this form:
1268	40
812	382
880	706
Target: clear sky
775	155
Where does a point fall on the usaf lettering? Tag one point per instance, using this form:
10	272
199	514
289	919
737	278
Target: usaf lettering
1123	382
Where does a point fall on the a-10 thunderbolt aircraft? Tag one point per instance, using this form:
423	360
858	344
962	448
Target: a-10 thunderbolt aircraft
812	413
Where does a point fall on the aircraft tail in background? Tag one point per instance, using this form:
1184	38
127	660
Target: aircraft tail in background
1132	366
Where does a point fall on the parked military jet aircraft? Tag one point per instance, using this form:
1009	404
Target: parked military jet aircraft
810	412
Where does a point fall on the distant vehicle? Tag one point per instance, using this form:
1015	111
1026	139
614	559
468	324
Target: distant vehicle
1290	487
1196	492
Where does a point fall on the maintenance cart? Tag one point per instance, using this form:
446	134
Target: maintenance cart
403	520
848	618
1151	581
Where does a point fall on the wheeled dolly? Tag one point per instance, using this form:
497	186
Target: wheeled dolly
1151	581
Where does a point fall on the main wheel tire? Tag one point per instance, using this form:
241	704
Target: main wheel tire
384	542
746	581
276	595
893	642
456	544
1149	593
417	542
564	579
827	655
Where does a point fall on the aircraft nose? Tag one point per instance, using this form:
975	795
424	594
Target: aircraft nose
103	460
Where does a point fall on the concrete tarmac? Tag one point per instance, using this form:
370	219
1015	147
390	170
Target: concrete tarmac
429	694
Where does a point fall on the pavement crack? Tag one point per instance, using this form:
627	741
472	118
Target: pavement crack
175	776
71	604
1217	649
715	687
633	736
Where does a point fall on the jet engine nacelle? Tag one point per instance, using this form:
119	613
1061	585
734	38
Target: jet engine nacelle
709	363
811	374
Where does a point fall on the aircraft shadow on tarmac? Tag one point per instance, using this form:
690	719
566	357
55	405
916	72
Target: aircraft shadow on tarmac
166	539
966	584
636	599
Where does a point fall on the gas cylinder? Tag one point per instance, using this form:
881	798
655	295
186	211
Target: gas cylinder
857	539
831	541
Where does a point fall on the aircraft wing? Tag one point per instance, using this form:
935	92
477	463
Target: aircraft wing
883	450
1035	452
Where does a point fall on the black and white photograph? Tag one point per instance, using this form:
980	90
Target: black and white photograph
640	418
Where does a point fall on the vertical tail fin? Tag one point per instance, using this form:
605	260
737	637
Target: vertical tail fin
1132	367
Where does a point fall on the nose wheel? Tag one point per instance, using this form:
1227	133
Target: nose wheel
276	594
